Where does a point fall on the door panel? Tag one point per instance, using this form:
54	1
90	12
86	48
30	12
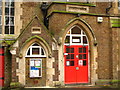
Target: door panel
70	73
76	64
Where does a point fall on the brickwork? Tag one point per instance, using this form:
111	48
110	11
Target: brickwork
55	65
101	32
14	67
44	34
107	42
61	7
29	10
99	8
7	68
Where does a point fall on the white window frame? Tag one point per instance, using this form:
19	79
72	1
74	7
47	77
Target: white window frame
9	16
39	55
76	35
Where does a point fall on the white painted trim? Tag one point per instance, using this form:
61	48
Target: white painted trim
76	35
35	56
39	55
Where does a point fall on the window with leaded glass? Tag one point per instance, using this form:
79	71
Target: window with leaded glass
9	17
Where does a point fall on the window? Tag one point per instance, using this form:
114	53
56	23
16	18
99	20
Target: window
119	4
36	30
35	51
9	17
76	36
0	16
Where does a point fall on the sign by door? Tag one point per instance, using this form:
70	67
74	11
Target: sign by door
76	64
80	62
35	68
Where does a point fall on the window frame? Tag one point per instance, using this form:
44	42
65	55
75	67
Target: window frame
39	55
9	17
76	35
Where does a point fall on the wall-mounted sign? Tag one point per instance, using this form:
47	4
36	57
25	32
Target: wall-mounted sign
68	63
80	62
35	68
38	63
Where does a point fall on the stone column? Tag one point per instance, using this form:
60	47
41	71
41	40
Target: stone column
115	54
14	65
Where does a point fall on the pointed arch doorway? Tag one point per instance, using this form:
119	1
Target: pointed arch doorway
35	65
76	56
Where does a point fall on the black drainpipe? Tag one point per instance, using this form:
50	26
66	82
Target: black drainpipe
44	11
108	9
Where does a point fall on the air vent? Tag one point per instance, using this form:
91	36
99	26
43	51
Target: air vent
36	30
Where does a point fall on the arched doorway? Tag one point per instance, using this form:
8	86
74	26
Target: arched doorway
76	56
35	65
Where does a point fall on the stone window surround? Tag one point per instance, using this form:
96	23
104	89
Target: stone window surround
37	47
36	28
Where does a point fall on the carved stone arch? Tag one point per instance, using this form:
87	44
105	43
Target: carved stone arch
21	71
83	25
40	41
92	48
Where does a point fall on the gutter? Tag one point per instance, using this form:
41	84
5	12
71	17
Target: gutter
44	8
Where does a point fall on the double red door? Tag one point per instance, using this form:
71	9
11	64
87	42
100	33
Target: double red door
1	67
76	64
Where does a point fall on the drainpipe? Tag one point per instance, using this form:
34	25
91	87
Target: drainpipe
108	9
44	11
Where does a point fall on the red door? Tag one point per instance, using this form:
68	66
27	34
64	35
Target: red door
76	64
1	67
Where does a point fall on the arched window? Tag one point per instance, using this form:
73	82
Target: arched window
35	50
76	36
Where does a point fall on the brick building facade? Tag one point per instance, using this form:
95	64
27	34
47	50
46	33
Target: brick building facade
44	31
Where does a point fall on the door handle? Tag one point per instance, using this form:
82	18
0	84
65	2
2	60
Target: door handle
77	68
65	53
76	56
